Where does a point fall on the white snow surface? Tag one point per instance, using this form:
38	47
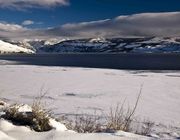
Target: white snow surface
81	90
23	108
8	131
54	41
99	39
10	48
57	125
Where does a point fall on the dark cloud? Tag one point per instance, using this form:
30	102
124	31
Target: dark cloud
145	24
25	4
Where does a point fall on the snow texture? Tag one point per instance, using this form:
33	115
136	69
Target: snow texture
83	90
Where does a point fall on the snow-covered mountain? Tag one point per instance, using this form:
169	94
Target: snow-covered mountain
102	45
6	47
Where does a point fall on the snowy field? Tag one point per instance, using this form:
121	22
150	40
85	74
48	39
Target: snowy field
11	132
83	90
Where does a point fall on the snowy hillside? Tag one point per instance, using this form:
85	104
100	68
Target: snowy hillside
102	45
10	48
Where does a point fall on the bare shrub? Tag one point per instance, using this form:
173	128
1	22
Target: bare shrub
121	118
117	118
146	127
40	118
40	115
84	123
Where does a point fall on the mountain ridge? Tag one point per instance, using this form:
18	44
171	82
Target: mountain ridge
103	45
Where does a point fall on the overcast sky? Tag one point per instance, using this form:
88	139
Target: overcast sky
21	19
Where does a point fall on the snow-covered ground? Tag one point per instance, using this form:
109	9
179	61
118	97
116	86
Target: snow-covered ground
81	90
9	131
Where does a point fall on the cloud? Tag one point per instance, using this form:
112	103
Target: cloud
145	24
6	27
12	31
27	22
25	4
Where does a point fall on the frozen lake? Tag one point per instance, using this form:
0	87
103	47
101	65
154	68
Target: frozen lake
72	90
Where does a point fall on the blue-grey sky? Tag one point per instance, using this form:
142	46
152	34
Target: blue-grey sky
83	10
43	14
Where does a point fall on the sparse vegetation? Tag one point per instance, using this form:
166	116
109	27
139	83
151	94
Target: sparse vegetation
119	118
85	123
145	128
40	114
37	119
